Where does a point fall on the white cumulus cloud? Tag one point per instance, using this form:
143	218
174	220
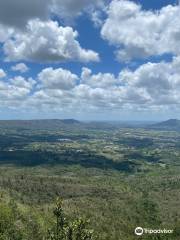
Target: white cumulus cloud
101	80
20	67
139	33
47	42
70	9
17	13
2	73
21	82
57	79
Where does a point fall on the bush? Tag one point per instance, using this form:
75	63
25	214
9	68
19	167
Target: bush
69	230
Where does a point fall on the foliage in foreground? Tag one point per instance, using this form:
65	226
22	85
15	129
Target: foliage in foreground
15	225
69	230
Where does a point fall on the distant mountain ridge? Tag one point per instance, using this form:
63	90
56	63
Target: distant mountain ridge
56	124
39	123
171	124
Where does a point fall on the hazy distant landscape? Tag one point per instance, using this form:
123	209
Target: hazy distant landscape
118	177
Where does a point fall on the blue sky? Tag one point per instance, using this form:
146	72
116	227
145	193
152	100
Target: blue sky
93	60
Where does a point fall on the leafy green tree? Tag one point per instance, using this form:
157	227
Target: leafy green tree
69	230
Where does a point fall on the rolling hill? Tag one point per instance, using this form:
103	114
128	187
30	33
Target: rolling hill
169	125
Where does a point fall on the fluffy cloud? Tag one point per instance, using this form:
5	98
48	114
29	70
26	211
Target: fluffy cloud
24	23
138	33
5	33
12	95
32	36
71	8
151	86
57	79
53	44
21	82
17	13
100	80
159	83
14	92
2	73
21	67
10	92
